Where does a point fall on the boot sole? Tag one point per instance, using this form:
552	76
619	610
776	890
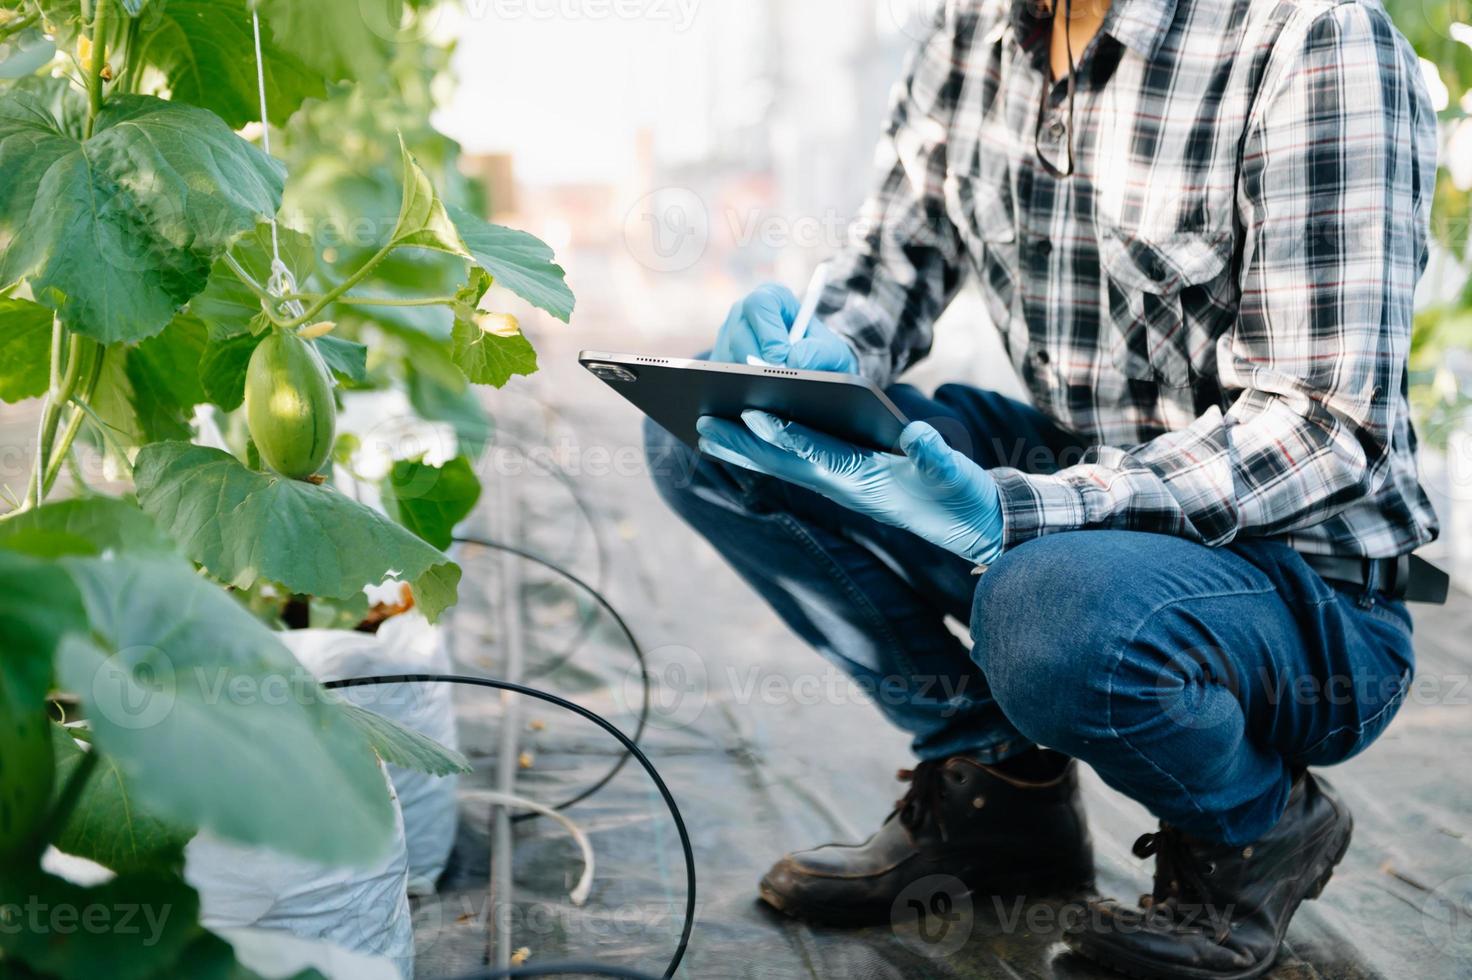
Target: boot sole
1149	970
1023	886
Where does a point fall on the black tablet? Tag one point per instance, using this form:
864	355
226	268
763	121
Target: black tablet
676	391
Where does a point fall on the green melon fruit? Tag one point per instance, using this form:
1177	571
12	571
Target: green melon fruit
288	405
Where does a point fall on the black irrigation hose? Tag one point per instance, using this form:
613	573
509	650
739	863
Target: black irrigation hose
608	726
628	634
558	970
585	627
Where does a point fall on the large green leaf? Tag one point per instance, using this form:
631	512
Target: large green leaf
517	261
210	719
400	745
38	604
108	824
117	232
134	927
25	349
203	52
431	500
243	525
164	374
223	366
339	39
83	526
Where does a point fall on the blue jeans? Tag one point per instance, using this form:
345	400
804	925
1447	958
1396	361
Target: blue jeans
1194	680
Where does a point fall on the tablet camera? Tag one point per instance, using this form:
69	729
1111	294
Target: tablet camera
613	372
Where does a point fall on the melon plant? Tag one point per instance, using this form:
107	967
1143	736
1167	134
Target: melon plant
194	309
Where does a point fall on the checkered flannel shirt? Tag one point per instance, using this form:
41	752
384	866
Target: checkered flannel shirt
1218	299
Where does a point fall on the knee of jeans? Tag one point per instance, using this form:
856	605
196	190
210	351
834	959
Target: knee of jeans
1046	643
671	463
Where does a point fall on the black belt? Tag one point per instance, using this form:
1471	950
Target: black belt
1410	578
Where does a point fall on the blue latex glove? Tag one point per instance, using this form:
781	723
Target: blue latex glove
931	490
759	325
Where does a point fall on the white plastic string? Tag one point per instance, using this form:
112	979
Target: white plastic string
282	282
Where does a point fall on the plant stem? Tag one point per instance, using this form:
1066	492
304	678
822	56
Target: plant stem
63	384
394	301
60	454
268	301
332	295
99	62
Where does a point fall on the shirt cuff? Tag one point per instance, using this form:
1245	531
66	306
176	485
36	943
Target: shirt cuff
1034	505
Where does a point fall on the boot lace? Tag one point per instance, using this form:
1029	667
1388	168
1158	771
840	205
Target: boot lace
1180	891
918	807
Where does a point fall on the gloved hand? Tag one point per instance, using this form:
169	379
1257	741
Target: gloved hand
931	490
759	325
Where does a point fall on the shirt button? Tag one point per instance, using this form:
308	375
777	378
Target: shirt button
1056	128
1042	245
1041	357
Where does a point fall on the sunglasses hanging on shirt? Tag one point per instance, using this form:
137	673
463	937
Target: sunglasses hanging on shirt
1037	136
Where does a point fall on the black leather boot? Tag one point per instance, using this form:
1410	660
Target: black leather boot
1012	829
1217	912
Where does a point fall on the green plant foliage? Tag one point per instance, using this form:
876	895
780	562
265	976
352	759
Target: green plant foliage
517	261
163	373
520	262
400	745
195	47
37	606
176	677
431	500
118	231
227	306
83	526
25	349
136	283
109	824
487	356
41	925
243	525
1439	405
347	359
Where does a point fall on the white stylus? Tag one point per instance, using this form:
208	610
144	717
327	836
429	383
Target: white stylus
805	312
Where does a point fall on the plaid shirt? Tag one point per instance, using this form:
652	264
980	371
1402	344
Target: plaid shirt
1218	299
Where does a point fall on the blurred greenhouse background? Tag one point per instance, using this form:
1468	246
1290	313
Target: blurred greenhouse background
677	152
728	142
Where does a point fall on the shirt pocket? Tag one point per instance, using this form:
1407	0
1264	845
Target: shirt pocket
1143	281
981	208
